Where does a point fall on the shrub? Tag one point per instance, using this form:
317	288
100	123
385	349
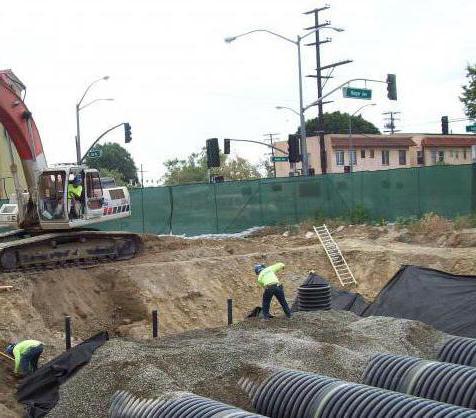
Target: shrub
359	215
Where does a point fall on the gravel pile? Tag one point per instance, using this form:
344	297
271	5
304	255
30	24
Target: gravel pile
211	362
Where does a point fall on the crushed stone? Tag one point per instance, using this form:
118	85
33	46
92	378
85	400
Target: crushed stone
210	363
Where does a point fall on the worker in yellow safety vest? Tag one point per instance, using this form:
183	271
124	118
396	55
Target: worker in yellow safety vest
26	354
268	280
75	190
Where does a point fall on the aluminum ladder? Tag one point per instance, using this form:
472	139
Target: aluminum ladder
336	258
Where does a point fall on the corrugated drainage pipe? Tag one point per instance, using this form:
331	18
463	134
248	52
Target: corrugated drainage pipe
314	297
459	350
185	405
444	382
295	394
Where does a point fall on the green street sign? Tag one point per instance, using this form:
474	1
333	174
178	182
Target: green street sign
95	153
279	159
355	93
471	128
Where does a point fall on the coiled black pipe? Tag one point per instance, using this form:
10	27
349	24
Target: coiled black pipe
459	350
295	394
186	405
444	382
313	297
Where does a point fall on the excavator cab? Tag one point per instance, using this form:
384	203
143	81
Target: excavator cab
69	197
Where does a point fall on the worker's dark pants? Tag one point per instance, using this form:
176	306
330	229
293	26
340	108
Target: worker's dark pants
29	360
269	292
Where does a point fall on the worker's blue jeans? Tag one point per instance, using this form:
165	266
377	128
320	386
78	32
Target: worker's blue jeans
278	292
29	360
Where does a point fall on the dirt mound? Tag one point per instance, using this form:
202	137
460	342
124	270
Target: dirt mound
210	363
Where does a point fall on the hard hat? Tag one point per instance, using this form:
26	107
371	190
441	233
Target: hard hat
259	268
9	349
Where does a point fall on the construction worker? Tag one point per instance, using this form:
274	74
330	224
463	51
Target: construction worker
26	354
75	190
268	280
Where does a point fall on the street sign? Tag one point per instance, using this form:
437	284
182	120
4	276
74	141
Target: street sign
279	159
471	128
355	93
95	153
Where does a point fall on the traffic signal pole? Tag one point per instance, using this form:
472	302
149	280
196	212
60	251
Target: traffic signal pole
320	99
99	137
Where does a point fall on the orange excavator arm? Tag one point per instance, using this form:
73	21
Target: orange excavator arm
21	131
21	128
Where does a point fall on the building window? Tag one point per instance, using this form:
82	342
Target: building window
362	153
420	158
339	157
441	156
452	153
457	154
464	154
433	156
372	153
402	157
353	157
385	157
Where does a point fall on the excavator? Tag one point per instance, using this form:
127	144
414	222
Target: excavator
53	226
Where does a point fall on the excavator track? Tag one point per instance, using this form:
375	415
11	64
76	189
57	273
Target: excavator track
21	251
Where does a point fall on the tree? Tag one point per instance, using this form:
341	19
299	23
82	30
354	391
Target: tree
194	169
338	123
116	175
266	167
116	159
469	92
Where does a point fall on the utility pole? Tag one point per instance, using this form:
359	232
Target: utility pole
319	77
390	122
272	151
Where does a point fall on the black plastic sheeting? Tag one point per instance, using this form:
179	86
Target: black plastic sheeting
442	300
39	392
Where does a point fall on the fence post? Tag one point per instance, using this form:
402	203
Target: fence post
155	324
67	331
230	311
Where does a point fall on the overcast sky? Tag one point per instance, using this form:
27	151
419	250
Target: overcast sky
177	82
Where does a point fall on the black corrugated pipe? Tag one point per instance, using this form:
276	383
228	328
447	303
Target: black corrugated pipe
295	394
183	405
313	297
444	382
459	350
288	393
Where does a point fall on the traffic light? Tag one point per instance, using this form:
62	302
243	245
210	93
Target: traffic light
294	149
392	86
226	146
127	132
444	125
213	153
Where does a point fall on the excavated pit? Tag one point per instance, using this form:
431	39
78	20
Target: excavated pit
189	281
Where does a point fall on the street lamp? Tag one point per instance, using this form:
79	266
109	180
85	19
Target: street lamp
287	108
297	42
351	145
78	108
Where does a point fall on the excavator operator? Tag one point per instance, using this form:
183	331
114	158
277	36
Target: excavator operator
75	190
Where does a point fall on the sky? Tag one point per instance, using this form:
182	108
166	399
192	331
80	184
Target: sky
176	81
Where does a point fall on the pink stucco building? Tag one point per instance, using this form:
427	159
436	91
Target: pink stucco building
382	152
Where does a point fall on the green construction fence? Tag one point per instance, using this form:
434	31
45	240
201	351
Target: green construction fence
194	209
